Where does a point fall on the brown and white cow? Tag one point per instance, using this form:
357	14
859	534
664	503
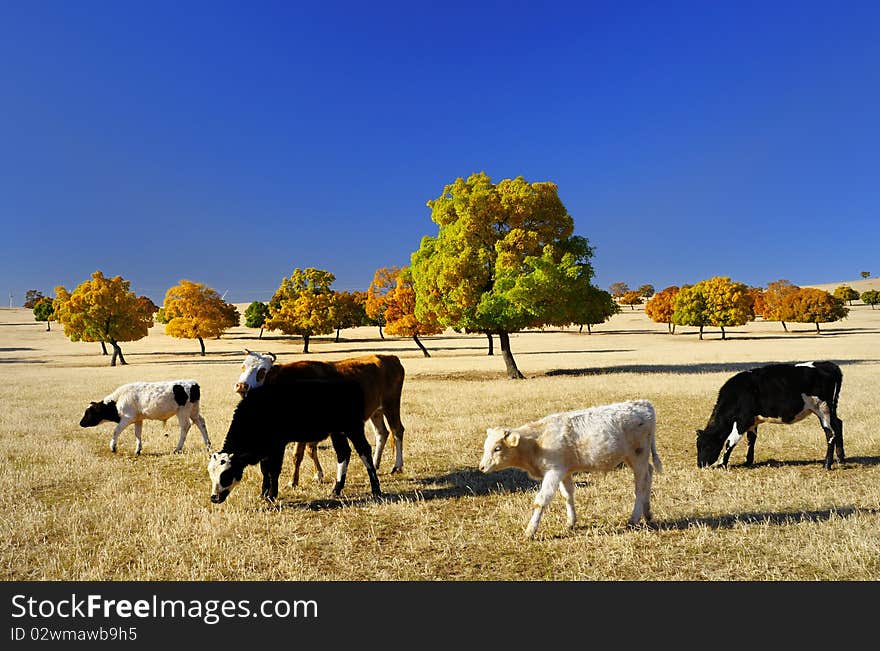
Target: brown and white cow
380	376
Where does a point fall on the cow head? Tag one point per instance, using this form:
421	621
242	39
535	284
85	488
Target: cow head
225	470
708	448
253	371
499	449
98	412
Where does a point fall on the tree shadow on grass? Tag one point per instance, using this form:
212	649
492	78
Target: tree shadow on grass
778	518
685	369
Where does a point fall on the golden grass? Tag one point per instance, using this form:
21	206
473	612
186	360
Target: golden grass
71	510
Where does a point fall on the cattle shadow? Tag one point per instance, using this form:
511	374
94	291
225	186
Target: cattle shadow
466	482
776	518
685	369
776	463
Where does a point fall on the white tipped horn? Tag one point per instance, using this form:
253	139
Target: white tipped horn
273	356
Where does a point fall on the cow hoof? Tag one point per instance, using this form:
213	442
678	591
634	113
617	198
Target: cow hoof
177	451
396	469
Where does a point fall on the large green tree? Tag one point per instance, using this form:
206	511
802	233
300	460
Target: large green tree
496	262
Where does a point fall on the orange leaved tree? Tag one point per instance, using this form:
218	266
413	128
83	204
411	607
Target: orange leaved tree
196	311
400	312
661	307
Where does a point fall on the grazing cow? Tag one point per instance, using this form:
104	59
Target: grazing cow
139	401
271	416
381	379
776	393
597	439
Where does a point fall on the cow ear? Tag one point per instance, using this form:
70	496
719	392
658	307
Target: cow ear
247	351
512	438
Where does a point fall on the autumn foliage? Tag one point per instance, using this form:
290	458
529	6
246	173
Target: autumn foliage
196	311
105	310
661	307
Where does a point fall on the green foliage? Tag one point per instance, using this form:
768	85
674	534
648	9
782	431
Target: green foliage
871	297
255	314
44	310
503	259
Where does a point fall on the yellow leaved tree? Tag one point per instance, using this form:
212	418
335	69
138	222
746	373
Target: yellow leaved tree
104	310
196	311
661	306
304	305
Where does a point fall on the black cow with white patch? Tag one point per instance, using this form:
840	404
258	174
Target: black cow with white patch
273	415
776	393
136	402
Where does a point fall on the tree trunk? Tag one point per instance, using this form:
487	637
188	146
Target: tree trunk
491	343
104	348
202	344
701	333
581	328
337	335
722	333
305	344
817	326
513	372
783	326
117	353
424	350
589	329
381	335
261	334
48	327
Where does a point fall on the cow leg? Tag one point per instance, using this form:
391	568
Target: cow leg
271	467
297	460
121	425
752	436
729	443
362	447
312	449
185	424
642	476
549	485
378	421
566	487
837	424
343	454
203	428
823	413
392	413
138	426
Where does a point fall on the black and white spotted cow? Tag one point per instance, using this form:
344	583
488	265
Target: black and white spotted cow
139	401
776	393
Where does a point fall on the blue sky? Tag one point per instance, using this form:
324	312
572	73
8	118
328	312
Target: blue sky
231	142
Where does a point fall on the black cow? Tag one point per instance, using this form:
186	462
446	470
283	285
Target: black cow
271	416
776	393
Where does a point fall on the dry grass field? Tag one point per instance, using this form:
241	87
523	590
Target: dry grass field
72	510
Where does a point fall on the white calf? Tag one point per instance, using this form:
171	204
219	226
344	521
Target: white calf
597	439
139	401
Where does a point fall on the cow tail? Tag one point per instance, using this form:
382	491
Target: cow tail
655	457
837	386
